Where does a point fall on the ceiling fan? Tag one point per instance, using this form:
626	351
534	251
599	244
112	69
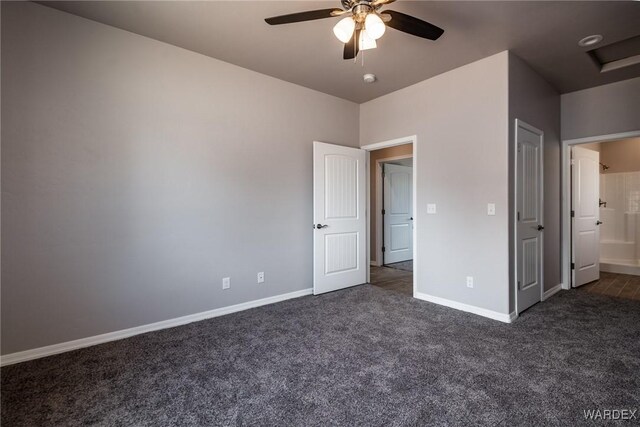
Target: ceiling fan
363	23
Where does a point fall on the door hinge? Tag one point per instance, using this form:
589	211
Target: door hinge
384	249
573	213
573	266
383	212
518	216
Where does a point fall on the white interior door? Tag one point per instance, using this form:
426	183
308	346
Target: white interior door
585	190
529	214
398	213
339	203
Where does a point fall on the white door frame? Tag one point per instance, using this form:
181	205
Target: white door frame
565	211
521	124
412	139
378	207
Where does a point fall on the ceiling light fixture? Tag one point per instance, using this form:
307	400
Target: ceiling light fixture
362	23
366	41
374	26
344	29
590	40
372	30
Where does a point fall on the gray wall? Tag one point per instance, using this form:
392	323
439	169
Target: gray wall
536	102
135	175
602	110
460	119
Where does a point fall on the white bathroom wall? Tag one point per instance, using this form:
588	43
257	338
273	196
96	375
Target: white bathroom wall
620	231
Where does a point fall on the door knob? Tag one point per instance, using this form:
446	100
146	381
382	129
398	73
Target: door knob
319	226
411	219
598	222
540	228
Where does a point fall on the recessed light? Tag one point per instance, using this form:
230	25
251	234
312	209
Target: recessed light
590	40
369	78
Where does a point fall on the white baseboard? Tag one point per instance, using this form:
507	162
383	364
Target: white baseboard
549	293
36	353
620	268
502	317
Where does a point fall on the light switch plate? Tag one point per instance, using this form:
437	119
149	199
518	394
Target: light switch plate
491	209
431	208
226	282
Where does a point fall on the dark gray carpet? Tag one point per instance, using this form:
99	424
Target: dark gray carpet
363	356
403	265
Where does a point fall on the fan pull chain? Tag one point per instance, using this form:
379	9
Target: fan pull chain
355	46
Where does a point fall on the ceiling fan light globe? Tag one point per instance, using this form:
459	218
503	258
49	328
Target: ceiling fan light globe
366	41
343	30
374	26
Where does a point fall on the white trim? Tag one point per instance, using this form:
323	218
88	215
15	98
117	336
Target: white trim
502	317
565	211
615	267
378	208
551	292
367	172
391	143
373	264
412	139
521	124
50	350
603	138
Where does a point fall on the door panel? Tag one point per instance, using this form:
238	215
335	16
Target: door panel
341	187
398	215
400	238
530	262
339	199
341	252
529	227
585	192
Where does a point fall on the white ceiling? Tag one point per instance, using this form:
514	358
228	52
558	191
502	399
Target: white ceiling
545	34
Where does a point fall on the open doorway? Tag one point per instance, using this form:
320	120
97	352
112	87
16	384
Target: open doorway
604	189
342	200
392	219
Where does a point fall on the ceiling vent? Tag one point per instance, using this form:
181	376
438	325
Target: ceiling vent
615	56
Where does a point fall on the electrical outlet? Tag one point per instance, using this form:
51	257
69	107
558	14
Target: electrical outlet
491	209
226	282
261	277
469	282
431	208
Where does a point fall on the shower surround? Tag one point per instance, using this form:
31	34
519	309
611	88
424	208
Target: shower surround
620	231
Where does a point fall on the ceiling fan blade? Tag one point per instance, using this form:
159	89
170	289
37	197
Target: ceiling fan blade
305	16
377	3
410	25
351	48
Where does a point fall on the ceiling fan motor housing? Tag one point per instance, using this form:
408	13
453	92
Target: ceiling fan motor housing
359	8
